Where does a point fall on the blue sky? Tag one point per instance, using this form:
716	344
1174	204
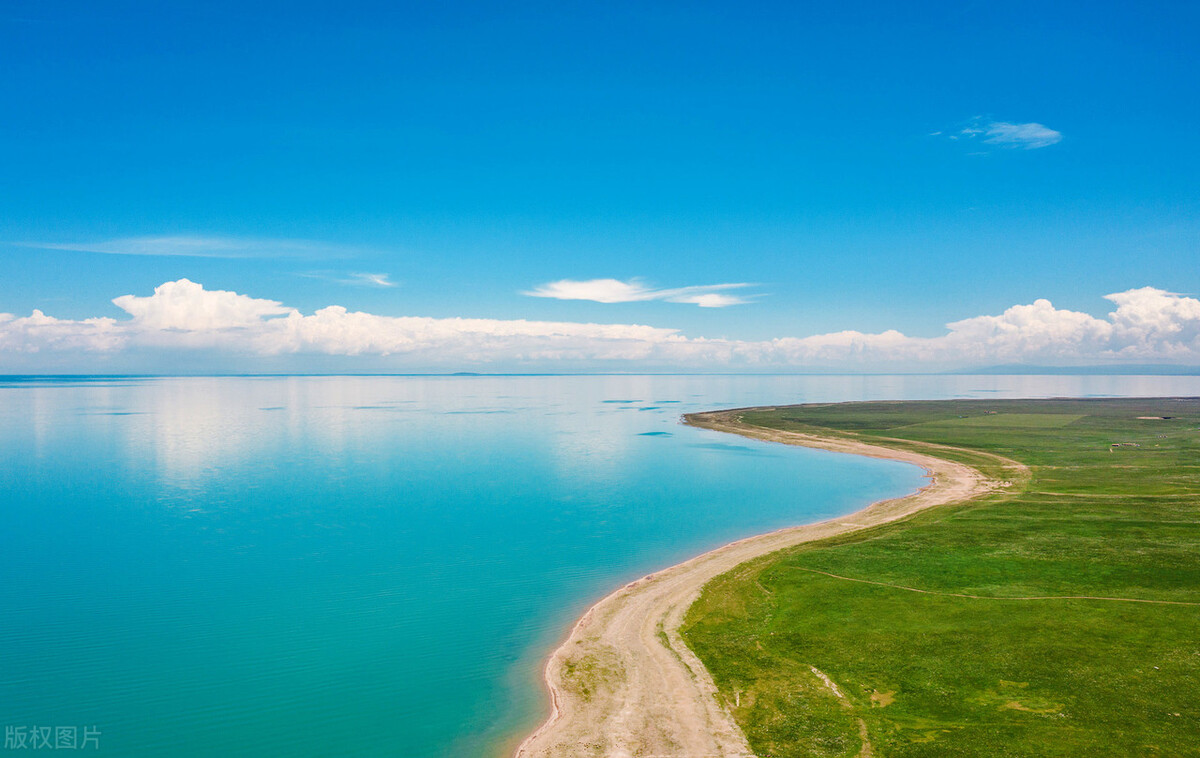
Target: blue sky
863	166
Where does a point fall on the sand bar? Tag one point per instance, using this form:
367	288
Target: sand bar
624	684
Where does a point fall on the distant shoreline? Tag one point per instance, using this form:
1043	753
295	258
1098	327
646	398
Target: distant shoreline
624	682
1157	370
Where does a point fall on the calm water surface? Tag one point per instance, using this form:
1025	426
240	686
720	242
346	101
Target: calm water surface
371	566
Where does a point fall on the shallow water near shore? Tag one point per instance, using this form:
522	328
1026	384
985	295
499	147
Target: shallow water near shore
375	565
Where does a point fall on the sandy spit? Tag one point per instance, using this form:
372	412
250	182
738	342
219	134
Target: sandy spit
624	684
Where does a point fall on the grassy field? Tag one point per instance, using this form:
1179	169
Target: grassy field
988	658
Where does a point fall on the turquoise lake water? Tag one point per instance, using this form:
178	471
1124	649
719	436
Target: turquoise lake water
362	566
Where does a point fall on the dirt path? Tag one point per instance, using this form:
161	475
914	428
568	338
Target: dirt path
624	684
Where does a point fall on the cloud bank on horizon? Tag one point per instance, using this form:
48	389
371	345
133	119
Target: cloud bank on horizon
1146	325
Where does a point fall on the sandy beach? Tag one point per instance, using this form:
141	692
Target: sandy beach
624	684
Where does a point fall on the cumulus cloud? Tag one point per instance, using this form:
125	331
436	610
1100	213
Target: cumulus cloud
1145	325
38	332
1029	136
617	291
187	306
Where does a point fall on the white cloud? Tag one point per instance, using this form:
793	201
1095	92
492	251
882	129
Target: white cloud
617	291
1146	325
38	332
598	290
356	278
201	247
708	299
1029	136
371	280
187	306
1007	134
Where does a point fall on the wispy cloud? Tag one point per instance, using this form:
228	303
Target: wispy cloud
202	247
1029	136
353	278
617	291
371	280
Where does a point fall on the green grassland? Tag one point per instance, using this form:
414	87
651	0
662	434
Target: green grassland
1111	509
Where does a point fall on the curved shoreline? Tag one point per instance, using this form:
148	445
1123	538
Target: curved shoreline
624	684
